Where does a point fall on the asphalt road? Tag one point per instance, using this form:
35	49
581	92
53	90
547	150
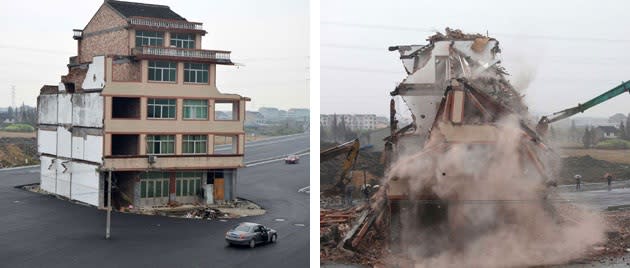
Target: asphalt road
599	199
43	231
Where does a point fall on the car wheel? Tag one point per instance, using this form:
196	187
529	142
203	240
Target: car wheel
229	244
274	238
252	243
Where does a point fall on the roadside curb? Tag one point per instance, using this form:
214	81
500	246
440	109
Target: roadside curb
16	168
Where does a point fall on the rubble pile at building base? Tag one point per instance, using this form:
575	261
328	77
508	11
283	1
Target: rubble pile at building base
469	184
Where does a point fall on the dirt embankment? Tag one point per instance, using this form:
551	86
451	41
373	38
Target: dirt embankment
330	170
15	151
591	169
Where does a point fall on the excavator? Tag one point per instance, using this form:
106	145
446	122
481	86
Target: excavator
544	122
351	149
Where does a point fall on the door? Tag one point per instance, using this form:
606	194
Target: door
218	189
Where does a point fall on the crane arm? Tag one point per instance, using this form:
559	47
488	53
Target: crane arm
618	90
351	149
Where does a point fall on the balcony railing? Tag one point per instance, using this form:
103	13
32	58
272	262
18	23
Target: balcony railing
210	55
166	23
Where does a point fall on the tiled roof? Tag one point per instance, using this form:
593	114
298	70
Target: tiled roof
131	9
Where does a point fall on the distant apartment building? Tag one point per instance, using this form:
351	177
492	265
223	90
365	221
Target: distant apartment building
353	121
254	119
140	100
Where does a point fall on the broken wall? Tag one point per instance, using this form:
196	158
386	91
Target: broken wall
70	143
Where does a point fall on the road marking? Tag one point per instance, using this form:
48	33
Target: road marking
279	219
299	224
306	189
15	168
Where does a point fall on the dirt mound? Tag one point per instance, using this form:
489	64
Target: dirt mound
18	152
591	169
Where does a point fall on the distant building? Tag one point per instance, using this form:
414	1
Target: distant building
271	114
254	119
140	100
299	114
352	121
605	132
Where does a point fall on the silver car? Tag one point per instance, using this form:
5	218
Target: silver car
250	234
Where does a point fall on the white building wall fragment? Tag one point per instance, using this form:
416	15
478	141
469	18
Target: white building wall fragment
95	77
70	139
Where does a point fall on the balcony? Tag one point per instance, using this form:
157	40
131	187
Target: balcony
77	34
171	24
199	55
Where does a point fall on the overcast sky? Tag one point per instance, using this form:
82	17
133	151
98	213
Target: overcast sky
568	51
269	37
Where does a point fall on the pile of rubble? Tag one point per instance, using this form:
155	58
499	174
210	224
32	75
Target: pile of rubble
356	234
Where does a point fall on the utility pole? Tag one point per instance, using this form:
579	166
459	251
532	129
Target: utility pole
109	204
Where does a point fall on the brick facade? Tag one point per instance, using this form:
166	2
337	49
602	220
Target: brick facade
129	71
104	34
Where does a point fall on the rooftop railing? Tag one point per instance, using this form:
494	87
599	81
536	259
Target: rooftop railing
166	23
215	55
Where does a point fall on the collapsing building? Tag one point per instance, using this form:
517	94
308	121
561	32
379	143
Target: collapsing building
140	100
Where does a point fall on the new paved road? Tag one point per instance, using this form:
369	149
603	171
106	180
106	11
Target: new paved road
42	231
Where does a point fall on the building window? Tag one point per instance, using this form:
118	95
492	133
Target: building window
183	40
195	109
154	184
125	107
225	144
196	73
124	144
146	38
195	144
188	183
162	71
160	144
161	108
226	110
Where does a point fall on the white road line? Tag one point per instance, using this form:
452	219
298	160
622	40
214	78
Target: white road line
16	168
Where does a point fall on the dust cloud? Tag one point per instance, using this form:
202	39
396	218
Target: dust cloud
499	213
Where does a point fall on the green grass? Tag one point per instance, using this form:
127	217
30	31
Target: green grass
19	128
613	144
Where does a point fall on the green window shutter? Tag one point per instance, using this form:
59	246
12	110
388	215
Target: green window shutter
150	192
143	189
158	188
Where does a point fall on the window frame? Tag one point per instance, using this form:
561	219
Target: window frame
162	108
196	144
171	69
159	41
179	42
189	71
150	140
193	109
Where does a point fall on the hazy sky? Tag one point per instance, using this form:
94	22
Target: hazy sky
270	37
568	51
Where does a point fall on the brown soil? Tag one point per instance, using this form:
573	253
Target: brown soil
16	151
591	169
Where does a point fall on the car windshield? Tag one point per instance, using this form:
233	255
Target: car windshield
243	228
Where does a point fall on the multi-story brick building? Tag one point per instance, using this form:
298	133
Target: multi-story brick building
140	100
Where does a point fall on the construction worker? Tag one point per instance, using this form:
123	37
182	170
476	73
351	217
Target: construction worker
578	182
609	178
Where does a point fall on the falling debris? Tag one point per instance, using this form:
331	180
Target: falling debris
470	176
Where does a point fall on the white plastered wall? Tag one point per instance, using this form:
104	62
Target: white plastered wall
85	183
95	77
